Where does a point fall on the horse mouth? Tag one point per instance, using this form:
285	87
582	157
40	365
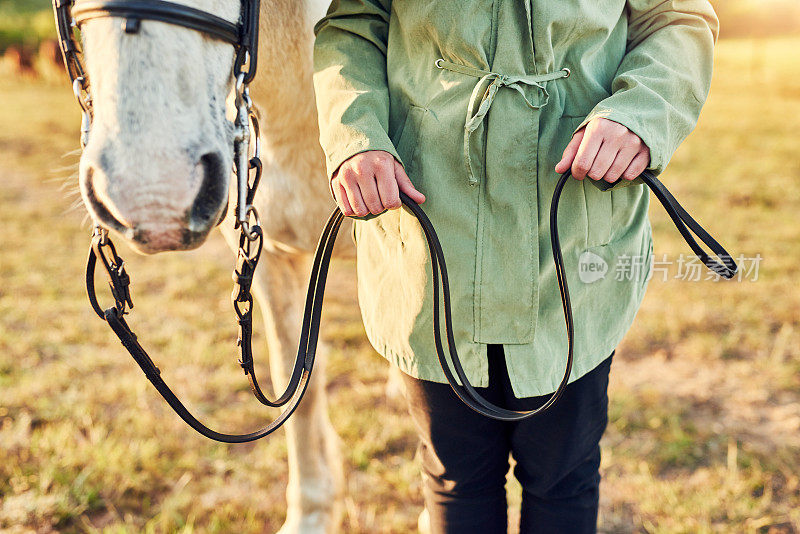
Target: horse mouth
147	238
168	228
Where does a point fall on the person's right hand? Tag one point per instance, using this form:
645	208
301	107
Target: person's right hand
369	183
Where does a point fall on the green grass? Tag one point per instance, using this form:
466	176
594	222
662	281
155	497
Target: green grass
705	426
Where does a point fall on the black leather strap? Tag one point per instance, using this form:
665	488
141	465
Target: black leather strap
687	226
169	12
465	391
451	367
306	351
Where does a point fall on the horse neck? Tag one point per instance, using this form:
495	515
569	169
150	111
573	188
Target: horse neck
283	90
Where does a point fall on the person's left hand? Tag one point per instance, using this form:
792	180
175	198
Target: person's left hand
604	149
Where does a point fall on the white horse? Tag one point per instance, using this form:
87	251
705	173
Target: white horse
157	170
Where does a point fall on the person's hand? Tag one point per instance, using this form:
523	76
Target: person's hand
606	150
369	182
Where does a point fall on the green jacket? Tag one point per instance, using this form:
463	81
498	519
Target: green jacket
471	97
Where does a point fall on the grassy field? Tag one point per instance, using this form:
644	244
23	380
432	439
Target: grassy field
705	397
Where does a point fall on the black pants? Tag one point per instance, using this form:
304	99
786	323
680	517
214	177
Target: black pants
465	456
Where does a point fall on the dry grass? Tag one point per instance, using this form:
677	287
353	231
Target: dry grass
705	418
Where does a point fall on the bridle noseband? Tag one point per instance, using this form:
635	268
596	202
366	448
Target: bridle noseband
177	14
244	37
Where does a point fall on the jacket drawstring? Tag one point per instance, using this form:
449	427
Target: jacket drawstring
483	96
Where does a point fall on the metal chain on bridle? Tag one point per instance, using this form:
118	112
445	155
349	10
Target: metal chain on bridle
244	37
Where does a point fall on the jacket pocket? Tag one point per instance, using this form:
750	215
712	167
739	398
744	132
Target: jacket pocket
599	214
598	204
407	137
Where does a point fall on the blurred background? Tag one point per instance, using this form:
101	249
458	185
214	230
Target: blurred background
704	433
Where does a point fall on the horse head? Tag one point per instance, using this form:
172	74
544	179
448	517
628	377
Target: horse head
158	160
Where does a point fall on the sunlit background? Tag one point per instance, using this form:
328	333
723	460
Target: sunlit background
705	396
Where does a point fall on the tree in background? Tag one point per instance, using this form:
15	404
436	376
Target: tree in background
25	23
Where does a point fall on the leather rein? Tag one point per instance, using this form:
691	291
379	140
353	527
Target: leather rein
243	35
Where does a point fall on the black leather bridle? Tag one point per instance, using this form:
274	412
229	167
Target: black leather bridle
244	37
243	34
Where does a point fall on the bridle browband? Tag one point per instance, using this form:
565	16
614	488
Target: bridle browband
244	37
175	14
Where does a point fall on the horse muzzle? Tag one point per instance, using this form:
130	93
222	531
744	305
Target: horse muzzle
173	211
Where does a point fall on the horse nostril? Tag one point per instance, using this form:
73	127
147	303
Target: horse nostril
213	191
96	206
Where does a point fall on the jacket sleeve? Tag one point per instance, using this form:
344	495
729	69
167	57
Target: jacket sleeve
350	80
664	78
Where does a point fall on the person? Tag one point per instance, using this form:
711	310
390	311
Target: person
473	108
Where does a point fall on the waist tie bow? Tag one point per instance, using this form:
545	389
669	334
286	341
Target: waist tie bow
483	96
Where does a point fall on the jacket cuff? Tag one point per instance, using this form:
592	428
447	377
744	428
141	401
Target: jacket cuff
657	159
335	158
